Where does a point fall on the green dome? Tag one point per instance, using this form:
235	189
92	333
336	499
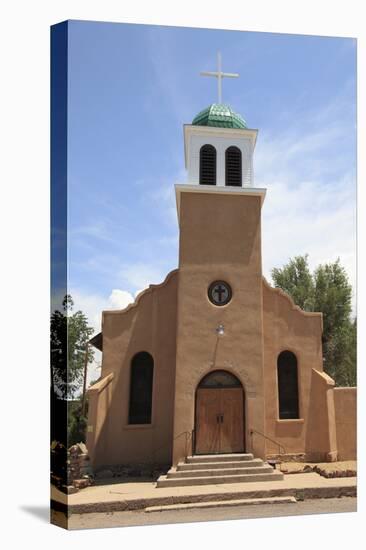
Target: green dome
219	115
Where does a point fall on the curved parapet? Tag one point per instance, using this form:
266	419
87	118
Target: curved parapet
147	325
140	295
290	301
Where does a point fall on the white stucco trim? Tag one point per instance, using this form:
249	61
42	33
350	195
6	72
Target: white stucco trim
225	133
220	138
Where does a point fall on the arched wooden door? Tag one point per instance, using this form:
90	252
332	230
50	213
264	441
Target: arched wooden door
219	414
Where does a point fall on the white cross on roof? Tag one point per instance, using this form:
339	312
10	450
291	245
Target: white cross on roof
219	75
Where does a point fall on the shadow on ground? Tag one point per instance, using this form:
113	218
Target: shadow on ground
119	480
40	512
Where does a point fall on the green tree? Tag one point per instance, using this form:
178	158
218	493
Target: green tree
296	279
76	423
333	295
326	290
351	367
70	333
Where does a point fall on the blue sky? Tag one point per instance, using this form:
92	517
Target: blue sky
131	89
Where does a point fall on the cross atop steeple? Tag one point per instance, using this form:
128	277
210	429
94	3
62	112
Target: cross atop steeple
219	75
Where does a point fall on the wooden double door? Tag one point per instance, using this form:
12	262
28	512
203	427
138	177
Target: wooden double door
219	420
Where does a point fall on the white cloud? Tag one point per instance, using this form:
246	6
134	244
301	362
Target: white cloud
141	275
93	305
309	219
97	230
138	276
119	299
314	143
306	210
162	194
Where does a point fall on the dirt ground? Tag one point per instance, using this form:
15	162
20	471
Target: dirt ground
140	517
346	468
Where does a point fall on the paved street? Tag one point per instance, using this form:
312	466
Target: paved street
124	519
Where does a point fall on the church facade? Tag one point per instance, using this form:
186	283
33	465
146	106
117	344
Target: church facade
214	360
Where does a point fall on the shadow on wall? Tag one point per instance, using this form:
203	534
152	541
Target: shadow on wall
149	326
345	402
321	435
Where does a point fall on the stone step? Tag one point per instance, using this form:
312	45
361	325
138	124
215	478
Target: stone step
164	481
219	458
265	469
184	466
221	503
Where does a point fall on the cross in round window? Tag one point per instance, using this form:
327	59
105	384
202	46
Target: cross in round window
219	293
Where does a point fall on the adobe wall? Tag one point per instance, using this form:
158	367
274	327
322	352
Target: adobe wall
287	327
99	400
147	325
345	401
220	239
321	440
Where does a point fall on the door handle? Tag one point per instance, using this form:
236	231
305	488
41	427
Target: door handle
222	418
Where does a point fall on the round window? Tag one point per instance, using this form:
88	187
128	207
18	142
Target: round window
219	293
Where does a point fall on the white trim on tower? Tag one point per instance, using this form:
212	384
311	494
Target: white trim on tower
221	138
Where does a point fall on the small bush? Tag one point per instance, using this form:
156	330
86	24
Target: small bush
76	424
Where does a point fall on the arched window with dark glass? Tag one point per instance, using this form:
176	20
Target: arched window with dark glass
219	379
208	165
288	391
141	385
233	167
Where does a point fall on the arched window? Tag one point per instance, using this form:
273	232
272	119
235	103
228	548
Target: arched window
219	379
142	370
288	392
208	165
233	166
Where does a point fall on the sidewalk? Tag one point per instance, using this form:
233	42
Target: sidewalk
131	495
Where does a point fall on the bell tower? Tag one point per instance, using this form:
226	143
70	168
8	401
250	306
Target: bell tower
219	320
219	148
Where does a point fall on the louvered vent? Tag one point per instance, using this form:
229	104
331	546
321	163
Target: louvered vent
233	167
208	165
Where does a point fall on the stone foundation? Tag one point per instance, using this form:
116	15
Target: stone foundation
303	457
79	471
143	470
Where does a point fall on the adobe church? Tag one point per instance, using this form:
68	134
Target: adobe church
213	360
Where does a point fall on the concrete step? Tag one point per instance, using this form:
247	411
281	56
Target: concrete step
184	466
164	481
221	503
176	473
219	458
